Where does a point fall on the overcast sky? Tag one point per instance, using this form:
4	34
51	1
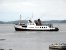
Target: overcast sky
43	9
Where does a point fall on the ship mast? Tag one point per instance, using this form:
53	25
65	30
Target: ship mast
20	19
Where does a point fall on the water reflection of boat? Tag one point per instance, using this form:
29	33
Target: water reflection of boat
2	39
35	26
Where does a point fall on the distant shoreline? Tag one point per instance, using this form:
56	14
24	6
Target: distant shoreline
25	21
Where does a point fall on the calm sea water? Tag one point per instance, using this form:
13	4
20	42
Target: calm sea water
30	40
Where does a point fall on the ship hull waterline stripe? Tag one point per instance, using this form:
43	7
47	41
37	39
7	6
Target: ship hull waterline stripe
18	29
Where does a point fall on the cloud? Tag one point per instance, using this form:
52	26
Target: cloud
53	9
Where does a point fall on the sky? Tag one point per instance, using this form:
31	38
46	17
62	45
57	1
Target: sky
10	10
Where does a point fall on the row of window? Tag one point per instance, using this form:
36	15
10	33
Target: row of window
43	27
38	27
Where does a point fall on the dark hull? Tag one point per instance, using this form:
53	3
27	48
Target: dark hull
18	29
58	48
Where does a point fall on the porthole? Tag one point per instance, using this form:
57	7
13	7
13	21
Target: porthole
42	27
46	27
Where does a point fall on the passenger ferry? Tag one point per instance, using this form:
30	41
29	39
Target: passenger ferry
35	26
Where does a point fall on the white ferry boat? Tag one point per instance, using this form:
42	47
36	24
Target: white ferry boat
35	26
